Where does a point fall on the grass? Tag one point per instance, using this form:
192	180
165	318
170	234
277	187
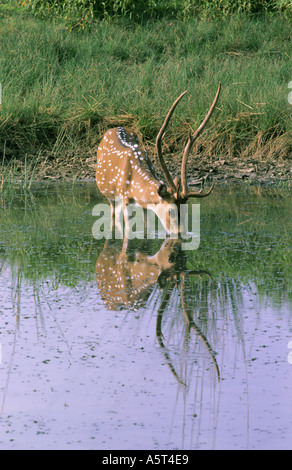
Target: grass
8	173
61	90
80	13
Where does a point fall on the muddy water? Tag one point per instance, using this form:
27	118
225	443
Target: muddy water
108	346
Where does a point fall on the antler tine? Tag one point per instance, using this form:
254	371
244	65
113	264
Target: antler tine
200	193
159	145
188	148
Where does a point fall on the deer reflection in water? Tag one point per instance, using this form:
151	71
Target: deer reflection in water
127	275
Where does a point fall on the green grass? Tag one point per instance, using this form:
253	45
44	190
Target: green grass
62	90
81	13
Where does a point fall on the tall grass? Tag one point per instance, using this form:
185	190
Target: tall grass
62	90
80	13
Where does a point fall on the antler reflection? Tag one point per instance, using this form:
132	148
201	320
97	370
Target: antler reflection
181	278
126	276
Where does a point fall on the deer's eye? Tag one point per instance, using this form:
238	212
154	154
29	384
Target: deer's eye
171	258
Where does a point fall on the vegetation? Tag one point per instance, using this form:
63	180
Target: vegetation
80	13
62	88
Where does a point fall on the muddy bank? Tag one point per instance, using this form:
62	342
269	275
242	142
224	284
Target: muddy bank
81	165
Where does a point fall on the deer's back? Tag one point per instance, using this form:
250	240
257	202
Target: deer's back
123	166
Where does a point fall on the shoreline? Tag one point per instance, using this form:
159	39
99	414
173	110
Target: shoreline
223	172
81	168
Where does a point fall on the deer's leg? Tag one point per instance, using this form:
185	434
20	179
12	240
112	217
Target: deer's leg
126	217
118	209
112	205
145	222
113	217
116	225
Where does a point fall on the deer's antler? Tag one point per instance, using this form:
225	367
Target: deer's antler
159	145
188	148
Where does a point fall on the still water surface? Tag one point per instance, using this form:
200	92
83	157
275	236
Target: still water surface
149	347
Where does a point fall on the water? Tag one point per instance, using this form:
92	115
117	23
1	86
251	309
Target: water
145	348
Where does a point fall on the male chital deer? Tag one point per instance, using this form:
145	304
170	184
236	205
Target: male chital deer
124	171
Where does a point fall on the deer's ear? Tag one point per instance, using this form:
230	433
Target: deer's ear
162	190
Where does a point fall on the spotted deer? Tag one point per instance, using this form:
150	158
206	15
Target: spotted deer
125	172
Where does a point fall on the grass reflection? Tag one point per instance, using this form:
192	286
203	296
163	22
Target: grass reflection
245	238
